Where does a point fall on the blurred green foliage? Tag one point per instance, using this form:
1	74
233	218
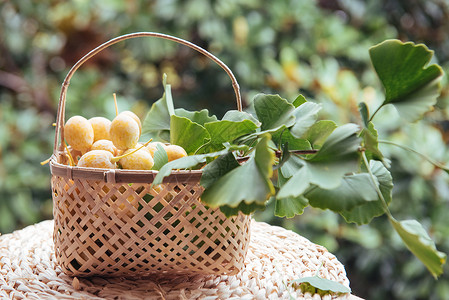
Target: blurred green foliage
318	48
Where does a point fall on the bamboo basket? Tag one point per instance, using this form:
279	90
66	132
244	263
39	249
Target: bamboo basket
112	222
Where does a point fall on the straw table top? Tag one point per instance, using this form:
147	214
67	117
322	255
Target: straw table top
28	270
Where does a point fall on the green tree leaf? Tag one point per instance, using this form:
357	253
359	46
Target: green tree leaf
156	124
364	113
186	163
409	85
323	284
200	117
295	185
217	168
289	206
273	111
281	138
363	214
160	157
319	132
306	115
299	100
250	182
245	208
187	134
354	190
237	116
225	131
421	245
292	165
338	156
370	141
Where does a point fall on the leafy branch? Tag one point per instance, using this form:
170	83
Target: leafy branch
285	153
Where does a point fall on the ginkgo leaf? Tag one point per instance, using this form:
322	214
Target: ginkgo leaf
323	284
273	111
337	156
410	84
285	137
187	134
237	116
299	100
227	131
319	132
370	141
156	124
200	117
295	185
291	205
250	182
306	115
421	245
217	168
346	196
160	157
363	214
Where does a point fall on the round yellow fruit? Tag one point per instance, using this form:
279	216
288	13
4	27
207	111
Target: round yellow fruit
152	147
135	118
97	159
105	145
139	160
101	128
78	133
124	132
175	152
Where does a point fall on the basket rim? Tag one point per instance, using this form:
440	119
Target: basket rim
121	175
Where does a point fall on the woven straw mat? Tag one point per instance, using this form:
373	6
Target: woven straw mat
28	270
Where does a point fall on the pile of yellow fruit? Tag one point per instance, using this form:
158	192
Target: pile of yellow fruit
100	143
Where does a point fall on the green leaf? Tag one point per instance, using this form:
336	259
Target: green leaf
319	132
306	115
291	166
242	207
338	155
295	185
289	206
412	87
354	190
247	183
299	100
186	163
237	116
421	245
283	137
363	214
227	131
217	168
323	284
364	113
156	124
370	141
160	157
200	117
187	134
273	111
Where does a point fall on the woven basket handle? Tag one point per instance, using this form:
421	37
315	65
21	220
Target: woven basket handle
62	98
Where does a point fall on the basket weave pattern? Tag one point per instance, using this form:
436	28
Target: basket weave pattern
133	229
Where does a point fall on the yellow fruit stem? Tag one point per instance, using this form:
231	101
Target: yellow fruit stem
69	155
45	161
115	102
117	158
